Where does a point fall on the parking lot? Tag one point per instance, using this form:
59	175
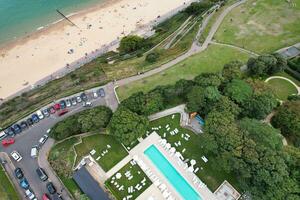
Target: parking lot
30	136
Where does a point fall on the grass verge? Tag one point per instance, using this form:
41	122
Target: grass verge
210	60
282	88
7	189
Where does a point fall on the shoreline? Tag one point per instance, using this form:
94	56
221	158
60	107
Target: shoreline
93	53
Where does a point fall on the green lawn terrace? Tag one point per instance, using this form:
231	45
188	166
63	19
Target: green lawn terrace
282	87
104	149
190	145
129	182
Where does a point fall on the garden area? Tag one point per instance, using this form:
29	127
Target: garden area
62	156
105	149
7	189
206	61
190	145
250	26
282	88
129	182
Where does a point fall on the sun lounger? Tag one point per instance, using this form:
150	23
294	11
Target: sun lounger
204	159
98	158
93	152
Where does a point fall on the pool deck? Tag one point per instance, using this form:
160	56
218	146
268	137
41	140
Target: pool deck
153	138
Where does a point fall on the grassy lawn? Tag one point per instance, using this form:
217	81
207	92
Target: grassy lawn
284	74
135	178
7	189
282	88
210	174
262	26
61	158
108	151
210	60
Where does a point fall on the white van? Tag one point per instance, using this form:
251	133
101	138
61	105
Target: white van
40	114
34	152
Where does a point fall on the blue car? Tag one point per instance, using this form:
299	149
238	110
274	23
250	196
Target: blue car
35	118
24	183
62	104
17	128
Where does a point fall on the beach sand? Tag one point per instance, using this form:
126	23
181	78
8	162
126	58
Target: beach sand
30	59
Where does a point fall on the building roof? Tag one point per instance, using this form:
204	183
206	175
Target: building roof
88	185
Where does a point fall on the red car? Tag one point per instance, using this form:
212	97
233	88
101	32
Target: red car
62	112
51	110
8	141
46	197
57	106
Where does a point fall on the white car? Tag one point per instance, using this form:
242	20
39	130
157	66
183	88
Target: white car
40	114
43	139
16	156
30	194
95	95
87	104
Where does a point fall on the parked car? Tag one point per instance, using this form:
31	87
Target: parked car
62	104
62	112
95	95
68	103
57	106
9	131
74	101
29	194
101	92
3	135
45	197
35	118
78	99
23	125
43	140
34	151
24	183
17	128
41	173
83	96
50	187
40	114
51	110
46	112
19	173
8	141
87	104
29	121
16	156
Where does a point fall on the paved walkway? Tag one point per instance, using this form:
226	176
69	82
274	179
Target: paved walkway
43	163
236	47
284	78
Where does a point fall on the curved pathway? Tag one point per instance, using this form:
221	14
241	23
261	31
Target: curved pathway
284	78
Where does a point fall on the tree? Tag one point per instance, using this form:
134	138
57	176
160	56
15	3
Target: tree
152	57
259	106
232	70
127	126
238	90
131	43
198	7
208	79
287	119
226	105
202	99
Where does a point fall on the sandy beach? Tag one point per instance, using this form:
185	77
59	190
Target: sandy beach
30	59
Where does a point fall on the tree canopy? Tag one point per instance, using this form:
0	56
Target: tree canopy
232	70
238	90
127	126
131	43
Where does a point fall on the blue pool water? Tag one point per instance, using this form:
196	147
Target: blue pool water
171	174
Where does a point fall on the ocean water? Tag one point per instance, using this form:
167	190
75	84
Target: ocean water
22	17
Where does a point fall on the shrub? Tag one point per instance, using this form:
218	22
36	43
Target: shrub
152	57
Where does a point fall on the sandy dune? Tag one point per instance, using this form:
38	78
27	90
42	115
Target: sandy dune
30	59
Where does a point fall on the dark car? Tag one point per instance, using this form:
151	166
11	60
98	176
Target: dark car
62	104
17	128
18	173
46	112
51	110
42	174
23	125
35	118
83	96
50	187
101	92
29	121
9	131
24	183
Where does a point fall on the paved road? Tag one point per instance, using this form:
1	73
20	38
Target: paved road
29	138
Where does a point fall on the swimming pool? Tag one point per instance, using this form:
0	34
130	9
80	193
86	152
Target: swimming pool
171	174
